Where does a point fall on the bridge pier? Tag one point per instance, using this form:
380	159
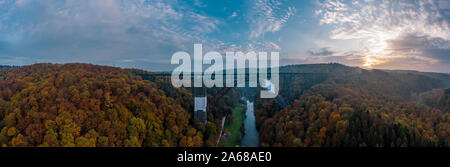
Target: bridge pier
200	104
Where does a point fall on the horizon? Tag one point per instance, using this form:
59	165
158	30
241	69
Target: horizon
399	35
281	66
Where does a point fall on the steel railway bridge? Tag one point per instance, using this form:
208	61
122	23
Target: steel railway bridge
201	102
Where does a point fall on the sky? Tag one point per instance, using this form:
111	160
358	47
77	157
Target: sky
403	34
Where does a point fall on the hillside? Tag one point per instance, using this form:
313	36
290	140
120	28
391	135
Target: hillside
90	105
347	106
328	105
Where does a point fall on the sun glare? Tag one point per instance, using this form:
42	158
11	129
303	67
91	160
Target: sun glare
377	47
368	62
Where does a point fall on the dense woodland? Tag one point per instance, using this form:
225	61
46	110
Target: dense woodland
357	108
89	105
319	105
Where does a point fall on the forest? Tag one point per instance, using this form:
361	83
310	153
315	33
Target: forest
319	105
84	105
353	107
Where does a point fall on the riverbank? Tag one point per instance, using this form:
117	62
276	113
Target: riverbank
235	128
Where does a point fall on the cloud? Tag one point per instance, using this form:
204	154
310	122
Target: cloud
425	48
412	41
348	58
361	20
233	15
101	31
322	52
256	46
388	30
268	16
199	3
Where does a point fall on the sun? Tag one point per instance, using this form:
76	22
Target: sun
377	47
367	64
370	62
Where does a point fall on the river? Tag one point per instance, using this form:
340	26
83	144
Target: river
251	135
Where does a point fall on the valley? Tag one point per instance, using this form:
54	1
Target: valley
319	105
